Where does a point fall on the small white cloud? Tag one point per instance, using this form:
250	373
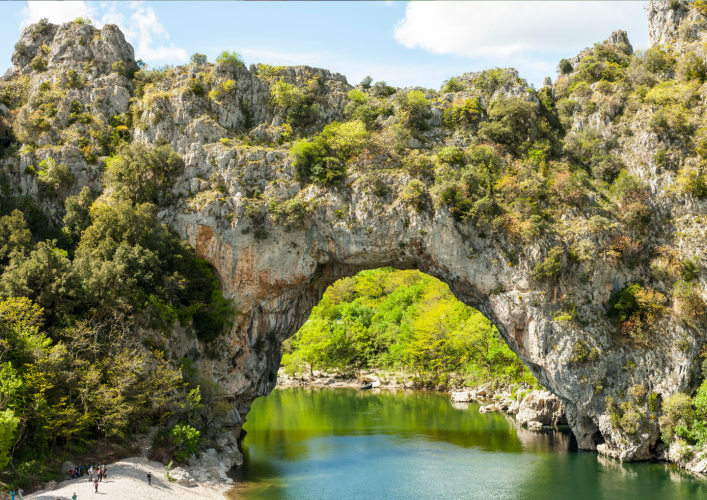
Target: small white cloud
506	29
56	12
142	29
138	22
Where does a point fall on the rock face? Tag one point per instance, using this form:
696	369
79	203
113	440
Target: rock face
276	273
540	408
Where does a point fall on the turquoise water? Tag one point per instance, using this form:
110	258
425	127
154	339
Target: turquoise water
307	443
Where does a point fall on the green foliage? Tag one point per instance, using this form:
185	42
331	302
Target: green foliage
412	108
366	82
227	58
53	177
83	21
39	64
382	89
592	150
298	106
401	320
415	195
197	58
511	123
291	214
452	85
14	235
490	80
196	87
551	267
143	173
691	67
8	427
637	309
564	67
185	439
462	114
119	68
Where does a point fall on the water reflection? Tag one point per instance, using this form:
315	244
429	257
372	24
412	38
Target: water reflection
349	444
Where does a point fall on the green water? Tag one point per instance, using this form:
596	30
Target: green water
309	443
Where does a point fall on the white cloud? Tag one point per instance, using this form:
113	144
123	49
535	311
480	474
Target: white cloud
507	29
138	22
142	29
56	12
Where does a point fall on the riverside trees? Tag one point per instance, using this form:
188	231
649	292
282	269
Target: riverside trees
404	321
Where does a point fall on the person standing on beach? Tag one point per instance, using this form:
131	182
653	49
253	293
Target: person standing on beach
74	497
95	484
90	474
149	479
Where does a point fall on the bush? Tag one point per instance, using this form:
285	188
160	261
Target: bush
451	85
313	165
119	68
195	86
291	214
462	114
143	173
346	140
551	267
39	64
185	439
564	67
512	123
381	89
415	195
451	155
637	308
690	304
366	82
54	177
691	67
412	108
226	58
197	58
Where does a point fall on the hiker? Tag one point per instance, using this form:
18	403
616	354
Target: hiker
74	497
95	484
149	479
12	495
100	474
105	473
90	474
20	491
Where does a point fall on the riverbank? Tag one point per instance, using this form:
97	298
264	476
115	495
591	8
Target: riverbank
127	479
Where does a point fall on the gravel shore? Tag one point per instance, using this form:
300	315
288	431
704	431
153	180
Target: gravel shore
127	480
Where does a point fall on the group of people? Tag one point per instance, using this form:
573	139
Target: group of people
100	471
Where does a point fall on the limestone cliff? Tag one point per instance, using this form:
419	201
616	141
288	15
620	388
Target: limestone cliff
235	142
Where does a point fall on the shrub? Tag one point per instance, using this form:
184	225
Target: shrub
291	214
142	173
313	165
38	64
415	195
119	68
677	409
564	67
197	58
366	82
512	123
222	90
691	67
412	108
462	114
346	140
54	177
185	439
417	164
195	86
690	304
83	21
551	267
451	85
451	155
381	89
226	58
637	308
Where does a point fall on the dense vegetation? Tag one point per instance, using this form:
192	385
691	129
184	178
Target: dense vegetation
406	323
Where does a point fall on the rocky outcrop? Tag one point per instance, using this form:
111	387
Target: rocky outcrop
234	143
540	408
213	465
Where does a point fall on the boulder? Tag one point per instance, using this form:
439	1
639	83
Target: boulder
460	397
541	408
50	486
66	466
181	476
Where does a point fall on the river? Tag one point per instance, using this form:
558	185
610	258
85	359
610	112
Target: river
308	443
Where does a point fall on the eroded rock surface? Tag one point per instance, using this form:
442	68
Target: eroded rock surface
276	273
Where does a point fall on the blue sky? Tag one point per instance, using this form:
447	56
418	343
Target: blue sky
403	43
